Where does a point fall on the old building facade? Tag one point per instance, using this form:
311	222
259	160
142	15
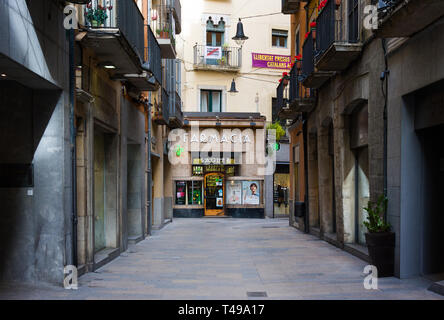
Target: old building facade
98	101
373	124
213	62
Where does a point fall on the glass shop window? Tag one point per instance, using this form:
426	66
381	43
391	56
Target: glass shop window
181	192
194	192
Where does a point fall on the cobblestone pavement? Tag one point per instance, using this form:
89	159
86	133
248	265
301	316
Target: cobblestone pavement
225	259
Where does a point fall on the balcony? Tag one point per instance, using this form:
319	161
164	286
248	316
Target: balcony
291	6
399	18
176	115
301	99
296	98
118	41
217	58
280	100
161	110
151	78
310	76
336	49
162	26
177	13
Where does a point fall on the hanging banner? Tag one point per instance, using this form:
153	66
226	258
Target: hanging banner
213	52
271	61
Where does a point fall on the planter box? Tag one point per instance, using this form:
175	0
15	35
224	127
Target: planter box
381	249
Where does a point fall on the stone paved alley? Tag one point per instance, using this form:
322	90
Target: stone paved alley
225	259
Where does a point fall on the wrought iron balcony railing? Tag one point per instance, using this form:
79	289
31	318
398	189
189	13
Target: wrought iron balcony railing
209	57
308	57
401	18
123	15
177	12
294	84
153	56
162	23
176	114
165	105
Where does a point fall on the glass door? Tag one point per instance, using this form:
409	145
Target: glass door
214	194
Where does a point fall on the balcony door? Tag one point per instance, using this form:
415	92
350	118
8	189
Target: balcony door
215	37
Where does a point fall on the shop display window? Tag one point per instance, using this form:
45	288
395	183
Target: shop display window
194	192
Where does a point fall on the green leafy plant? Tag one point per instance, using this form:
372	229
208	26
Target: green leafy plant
375	222
96	15
280	132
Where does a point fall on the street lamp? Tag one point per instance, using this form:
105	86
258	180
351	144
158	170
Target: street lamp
233	88
240	36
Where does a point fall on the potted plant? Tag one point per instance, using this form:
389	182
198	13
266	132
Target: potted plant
313	29
299	61
285	78
223	61
96	16
165	33
379	238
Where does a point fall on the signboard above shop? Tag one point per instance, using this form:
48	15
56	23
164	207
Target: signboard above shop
271	61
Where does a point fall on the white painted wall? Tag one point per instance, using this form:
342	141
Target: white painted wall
194	16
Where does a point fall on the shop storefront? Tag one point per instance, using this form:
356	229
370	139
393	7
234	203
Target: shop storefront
218	169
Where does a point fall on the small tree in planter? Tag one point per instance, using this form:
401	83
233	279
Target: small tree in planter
380	240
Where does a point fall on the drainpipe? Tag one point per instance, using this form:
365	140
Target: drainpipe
150	173
73	147
307	207
384	77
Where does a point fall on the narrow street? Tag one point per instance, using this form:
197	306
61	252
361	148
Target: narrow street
225	259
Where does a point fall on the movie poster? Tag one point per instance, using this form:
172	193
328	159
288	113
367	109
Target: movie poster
251	192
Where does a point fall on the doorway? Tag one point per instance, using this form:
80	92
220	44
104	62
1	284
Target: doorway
105	190
214	194
433	186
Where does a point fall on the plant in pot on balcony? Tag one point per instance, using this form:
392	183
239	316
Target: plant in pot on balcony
165	33
379	238
96	16
298	61
313	29
223	61
285	78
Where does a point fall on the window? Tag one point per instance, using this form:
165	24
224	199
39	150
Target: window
189	192
279	38
215	33
211	101
180	192
194	192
